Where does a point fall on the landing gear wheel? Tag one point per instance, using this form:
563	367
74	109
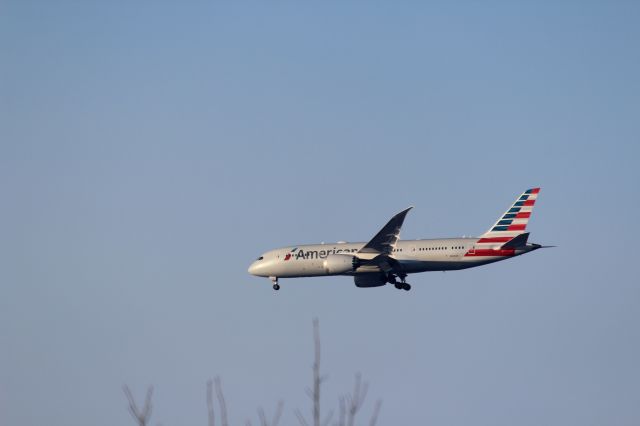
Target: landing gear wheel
406	286
274	280
398	286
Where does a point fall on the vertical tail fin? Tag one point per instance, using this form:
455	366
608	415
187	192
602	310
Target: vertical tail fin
514	221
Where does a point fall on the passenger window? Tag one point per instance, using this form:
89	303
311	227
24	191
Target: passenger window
261	257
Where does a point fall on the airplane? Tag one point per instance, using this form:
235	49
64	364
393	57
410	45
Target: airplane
388	260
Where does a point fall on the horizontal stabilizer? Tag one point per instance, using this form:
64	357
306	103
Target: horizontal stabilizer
518	241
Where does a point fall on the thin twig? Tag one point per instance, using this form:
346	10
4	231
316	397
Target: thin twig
278	414
141	416
262	417
328	418
210	412
316	373
356	399
376	411
301	419
343	412
223	406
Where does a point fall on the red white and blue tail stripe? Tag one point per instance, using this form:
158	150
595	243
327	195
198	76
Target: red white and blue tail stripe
514	221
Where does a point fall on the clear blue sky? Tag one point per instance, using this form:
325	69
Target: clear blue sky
150	151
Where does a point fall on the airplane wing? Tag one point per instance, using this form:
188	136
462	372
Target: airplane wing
384	263
386	239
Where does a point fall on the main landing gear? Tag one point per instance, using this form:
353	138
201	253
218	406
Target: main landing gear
400	285
274	280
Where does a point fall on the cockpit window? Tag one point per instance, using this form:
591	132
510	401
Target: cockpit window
260	258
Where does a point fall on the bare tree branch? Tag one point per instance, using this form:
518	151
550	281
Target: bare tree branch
141	416
314	392
376	411
317	380
210	412
349	405
328	418
301	419
356	399
342	412
263	417
223	406
278	414
133	408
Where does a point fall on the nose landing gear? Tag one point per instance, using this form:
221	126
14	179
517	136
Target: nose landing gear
274	280
400	285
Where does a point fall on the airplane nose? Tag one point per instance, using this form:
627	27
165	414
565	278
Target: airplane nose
252	268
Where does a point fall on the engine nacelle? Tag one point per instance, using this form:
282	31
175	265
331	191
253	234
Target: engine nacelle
340	264
370	280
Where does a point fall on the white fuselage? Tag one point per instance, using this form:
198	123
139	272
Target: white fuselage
413	255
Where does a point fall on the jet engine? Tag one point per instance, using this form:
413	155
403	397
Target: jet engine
340	263
370	280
